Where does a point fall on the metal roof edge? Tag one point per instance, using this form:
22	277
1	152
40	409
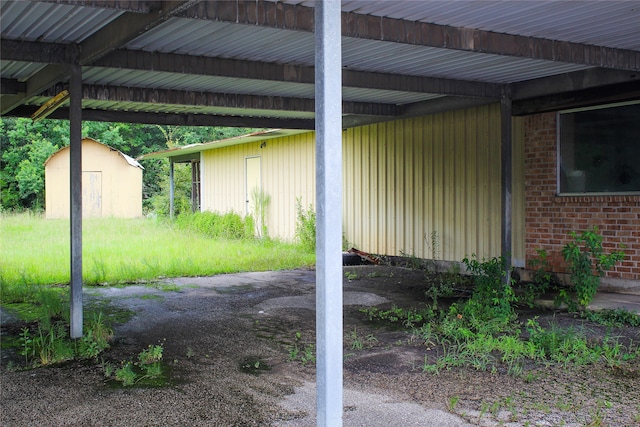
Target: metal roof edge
130	160
212	145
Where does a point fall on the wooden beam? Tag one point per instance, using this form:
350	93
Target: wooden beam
211	99
569	82
300	18
223	67
135	6
174	119
439	105
11	86
583	98
126	28
46	53
42	80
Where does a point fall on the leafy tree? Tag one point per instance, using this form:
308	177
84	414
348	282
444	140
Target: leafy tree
25	145
30	173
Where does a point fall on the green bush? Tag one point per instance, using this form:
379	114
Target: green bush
493	297
215	225
588	263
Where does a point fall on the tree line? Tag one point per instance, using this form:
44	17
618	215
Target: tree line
26	145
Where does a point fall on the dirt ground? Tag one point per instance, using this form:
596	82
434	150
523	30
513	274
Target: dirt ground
228	343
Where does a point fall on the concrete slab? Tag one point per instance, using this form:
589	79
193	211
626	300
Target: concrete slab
364	409
608	300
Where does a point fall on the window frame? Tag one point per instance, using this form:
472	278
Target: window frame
559	114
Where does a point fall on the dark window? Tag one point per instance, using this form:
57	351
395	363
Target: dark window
599	150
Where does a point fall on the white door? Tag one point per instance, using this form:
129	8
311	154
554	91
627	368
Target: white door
91	194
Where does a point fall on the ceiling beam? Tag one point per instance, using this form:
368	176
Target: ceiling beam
46	53
11	87
300	18
174	119
629	91
226	100
569	82
439	105
112	36
223	67
290	73
135	6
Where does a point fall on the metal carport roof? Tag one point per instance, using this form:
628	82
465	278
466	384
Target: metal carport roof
252	63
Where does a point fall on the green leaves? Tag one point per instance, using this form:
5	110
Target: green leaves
588	263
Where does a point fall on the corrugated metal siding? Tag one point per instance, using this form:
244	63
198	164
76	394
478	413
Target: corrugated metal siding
438	174
403	181
288	172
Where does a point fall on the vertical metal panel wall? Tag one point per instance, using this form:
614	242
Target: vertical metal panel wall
403	181
288	173
430	186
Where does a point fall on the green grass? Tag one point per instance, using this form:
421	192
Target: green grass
35	253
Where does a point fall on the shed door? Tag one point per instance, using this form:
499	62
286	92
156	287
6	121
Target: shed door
91	194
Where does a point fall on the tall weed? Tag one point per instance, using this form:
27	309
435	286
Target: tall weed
305	225
588	263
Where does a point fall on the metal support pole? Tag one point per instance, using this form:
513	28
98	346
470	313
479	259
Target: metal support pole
75	215
507	165
171	189
329	213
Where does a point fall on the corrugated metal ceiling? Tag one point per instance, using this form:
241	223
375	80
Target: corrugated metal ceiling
602	23
52	23
612	23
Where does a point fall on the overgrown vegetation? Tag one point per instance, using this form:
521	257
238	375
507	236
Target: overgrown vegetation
305	225
588	263
147	367
484	331
260	202
215	225
119	251
130	250
46	341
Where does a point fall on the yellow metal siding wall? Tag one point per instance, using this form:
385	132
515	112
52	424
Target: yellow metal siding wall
403	180
288	172
440	174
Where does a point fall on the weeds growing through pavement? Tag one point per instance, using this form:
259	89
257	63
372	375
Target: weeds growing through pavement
48	342
483	331
147	367
301	351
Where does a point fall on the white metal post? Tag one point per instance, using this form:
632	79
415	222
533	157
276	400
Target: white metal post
75	214
329	326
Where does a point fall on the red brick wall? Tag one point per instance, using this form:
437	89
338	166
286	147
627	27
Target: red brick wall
550	218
